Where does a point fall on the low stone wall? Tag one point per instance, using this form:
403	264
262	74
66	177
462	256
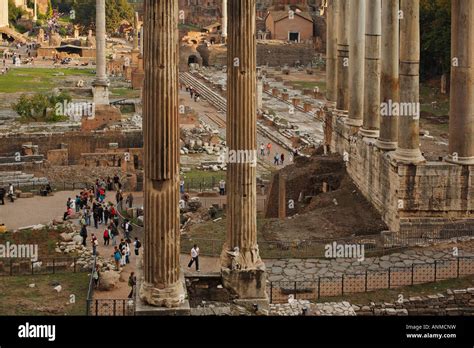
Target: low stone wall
453	302
77	142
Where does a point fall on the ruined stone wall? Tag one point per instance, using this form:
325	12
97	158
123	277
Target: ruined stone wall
78	142
426	196
279	55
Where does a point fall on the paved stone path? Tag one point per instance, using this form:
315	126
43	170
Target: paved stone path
311	269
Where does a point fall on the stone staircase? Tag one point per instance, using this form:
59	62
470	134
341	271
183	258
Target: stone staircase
20	179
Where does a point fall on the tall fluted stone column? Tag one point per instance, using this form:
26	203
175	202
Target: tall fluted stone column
331	52
243	271
356	62
373	34
461	118
390	85
136	30
135	50
342	78
101	83
408	150
224	20
162	286
3	13
35	11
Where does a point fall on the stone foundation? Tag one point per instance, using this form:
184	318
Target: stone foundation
246	284
433	193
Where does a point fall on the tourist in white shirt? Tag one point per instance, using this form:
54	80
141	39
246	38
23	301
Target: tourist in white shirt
194	257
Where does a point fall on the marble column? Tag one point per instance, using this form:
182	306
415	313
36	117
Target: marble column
390	85
331	52
101	82
3	13
35	11
162	286
461	118
136	30
224	20
408	150
343	56
373	34
356	62
243	271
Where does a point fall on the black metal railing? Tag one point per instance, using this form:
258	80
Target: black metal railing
20	267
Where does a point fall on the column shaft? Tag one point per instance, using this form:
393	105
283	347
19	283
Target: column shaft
242	133
373	34
3	13
100	32
331	51
224	19
408	150
343	55
162	285
390	85
356	62
461	119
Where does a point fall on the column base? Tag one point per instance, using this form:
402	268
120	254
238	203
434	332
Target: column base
464	161
172	296
369	133
354	123
341	113
408	156
386	145
246	284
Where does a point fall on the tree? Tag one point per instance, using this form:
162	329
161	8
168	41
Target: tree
435	22
40	107
115	12
14	12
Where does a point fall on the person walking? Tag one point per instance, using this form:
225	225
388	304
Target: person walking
129	201
276	159
132	282
96	277
83	234
194	257
269	149
117	257
222	187
94	243
2	196
11	192
137	245
262	149
106	237
282	158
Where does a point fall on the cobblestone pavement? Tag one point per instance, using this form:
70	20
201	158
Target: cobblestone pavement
311	269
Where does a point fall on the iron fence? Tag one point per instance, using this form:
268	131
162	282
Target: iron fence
370	280
21	267
111	307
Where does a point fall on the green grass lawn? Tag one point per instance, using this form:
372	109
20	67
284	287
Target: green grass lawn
126	93
17	298
207	178
37	79
311	85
